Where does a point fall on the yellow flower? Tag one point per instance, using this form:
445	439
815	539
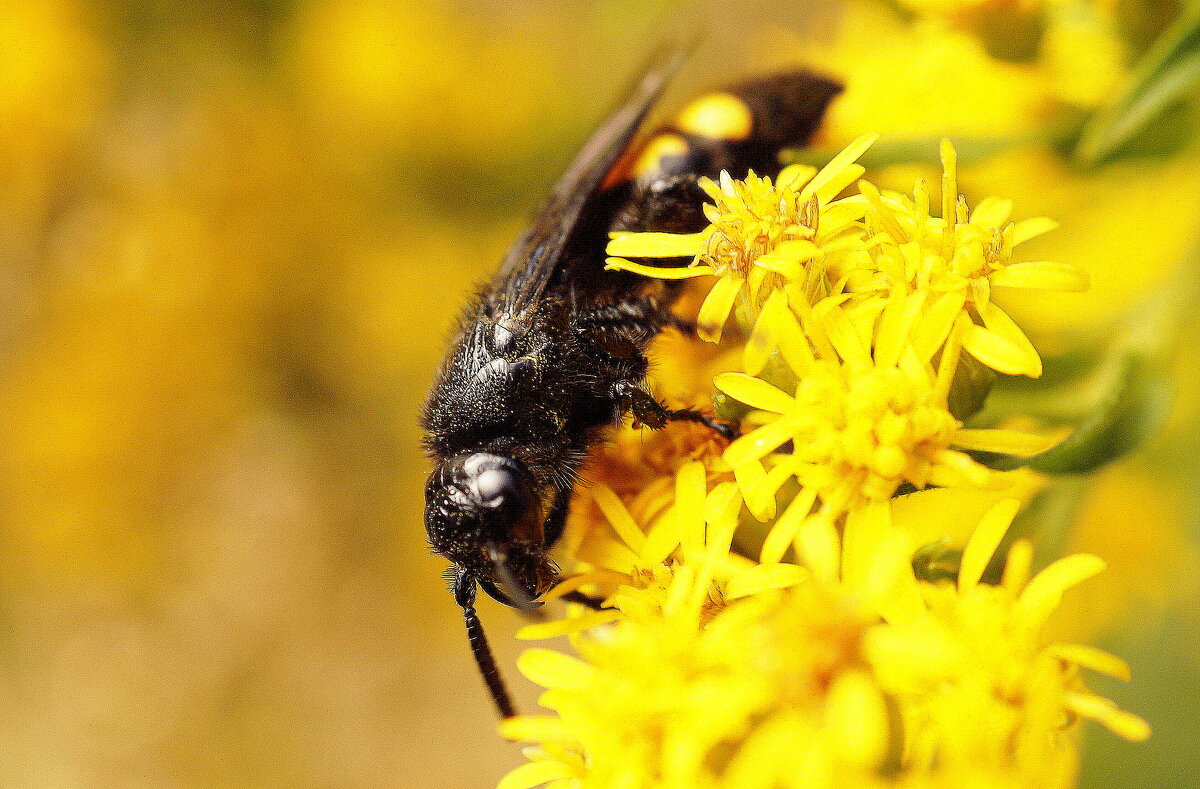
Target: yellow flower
806	653
1106	213
856	424
758	230
710	673
919	80
937	269
969	667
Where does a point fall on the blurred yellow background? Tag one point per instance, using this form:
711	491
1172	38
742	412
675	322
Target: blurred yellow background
233	237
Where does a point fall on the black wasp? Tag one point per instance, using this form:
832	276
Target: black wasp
552	352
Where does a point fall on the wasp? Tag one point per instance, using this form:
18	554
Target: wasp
552	352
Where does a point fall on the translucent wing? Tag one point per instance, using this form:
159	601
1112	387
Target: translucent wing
532	260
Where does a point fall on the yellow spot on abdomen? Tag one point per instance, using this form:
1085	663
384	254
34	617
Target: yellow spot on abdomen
660	147
718	116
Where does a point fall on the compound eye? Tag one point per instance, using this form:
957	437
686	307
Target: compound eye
501	491
497	486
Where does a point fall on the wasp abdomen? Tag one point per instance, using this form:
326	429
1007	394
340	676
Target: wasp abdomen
739	129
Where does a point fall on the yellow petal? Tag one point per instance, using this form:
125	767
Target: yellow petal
751	479
984	542
951	356
618	517
575	582
941	513
662	539
659	272
856	719
762	342
754	392
1121	723
691	487
710	322
680	589
836	216
958	468
998	353
721	513
895	326
763	441
531	774
1045	591
792	341
883	214
761	577
838	182
1089	657
949	184
1008	442
935	325
1017	566
794	175
819	546
1032	228
610	554
914	653
562	627
997	320
784	531
553	669
837	164
867	527
991	212
1043	275
841	332
535	728
780	473
787	257
655	245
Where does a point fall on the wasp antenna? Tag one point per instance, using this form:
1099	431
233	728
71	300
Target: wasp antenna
487	663
464	595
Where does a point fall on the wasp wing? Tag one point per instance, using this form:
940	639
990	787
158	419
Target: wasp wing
532	260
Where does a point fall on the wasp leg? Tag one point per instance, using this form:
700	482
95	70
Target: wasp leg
653	414
618	332
576	596
726	430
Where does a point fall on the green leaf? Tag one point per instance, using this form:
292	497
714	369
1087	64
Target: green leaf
937	561
1047	521
1122	401
1165	75
972	382
1134	407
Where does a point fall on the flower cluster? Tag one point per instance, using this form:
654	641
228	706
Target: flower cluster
720	672
800	644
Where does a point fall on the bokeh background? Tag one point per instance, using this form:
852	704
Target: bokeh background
233	236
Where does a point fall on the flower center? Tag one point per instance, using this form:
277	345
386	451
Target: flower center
866	432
